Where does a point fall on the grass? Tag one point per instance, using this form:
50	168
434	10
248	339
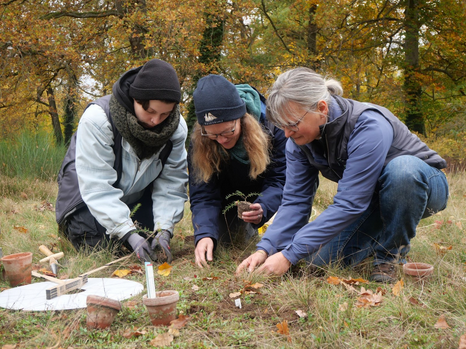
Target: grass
332	318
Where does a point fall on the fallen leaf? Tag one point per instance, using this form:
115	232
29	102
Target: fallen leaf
333	280
235	294
24	195
174	332
301	313
396	290
132	304
352	281
47	272
343	306
283	329
164	269
20	229
195	288
162	340
180	322
462	344
414	301
136	269
121	272
45	206
210	278
459	225
441	323
440	249
368	299
256	285
130	333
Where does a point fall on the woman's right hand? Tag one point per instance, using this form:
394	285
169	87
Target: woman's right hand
204	248
252	262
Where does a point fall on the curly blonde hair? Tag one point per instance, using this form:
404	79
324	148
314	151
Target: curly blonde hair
208	155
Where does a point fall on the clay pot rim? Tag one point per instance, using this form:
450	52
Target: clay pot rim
172	297
418	269
103	302
16	255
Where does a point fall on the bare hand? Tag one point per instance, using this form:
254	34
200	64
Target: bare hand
276	264
255	215
253	261
204	247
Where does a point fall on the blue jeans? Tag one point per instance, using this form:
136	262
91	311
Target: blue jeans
408	190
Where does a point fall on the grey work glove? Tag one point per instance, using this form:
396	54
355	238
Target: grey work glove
140	247
161	246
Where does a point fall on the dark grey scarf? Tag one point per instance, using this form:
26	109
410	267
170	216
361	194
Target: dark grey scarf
145	142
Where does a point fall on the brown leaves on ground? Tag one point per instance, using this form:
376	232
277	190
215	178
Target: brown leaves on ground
45	206
369	299
248	288
131	333
20	228
133	269
334	280
441	249
462	344
396	290
180	322
283	329
441	323
164	269
162	340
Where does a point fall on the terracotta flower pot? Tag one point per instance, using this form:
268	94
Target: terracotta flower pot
243	206
162	309
419	270
18	268
101	311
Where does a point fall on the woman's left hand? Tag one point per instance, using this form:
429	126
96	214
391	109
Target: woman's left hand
255	215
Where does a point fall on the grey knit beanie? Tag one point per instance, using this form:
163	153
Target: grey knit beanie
157	80
216	100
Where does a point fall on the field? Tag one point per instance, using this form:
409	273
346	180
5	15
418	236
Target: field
303	309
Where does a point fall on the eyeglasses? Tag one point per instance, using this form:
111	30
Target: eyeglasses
216	135
293	126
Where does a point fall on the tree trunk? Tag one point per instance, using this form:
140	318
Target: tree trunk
210	49
312	38
412	86
70	104
54	116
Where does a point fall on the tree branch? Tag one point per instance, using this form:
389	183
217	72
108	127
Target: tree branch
273	26
81	14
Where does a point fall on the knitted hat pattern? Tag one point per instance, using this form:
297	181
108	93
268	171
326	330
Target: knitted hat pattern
217	100
157	80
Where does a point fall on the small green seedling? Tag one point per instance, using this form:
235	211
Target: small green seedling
244	197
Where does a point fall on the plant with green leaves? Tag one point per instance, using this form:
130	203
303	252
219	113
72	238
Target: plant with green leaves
240	194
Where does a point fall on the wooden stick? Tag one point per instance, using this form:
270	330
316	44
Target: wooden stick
106	265
65	286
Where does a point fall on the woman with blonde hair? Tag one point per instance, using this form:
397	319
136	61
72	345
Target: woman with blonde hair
233	148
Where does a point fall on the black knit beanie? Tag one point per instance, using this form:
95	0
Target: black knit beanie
217	100
157	80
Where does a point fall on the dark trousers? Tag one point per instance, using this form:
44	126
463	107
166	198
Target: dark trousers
233	230
82	229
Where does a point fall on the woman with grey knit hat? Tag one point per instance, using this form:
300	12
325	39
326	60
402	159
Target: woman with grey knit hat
233	147
124	177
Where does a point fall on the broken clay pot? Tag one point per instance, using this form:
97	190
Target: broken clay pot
101	311
162	308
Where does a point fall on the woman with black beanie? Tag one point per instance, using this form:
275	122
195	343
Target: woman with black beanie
130	174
